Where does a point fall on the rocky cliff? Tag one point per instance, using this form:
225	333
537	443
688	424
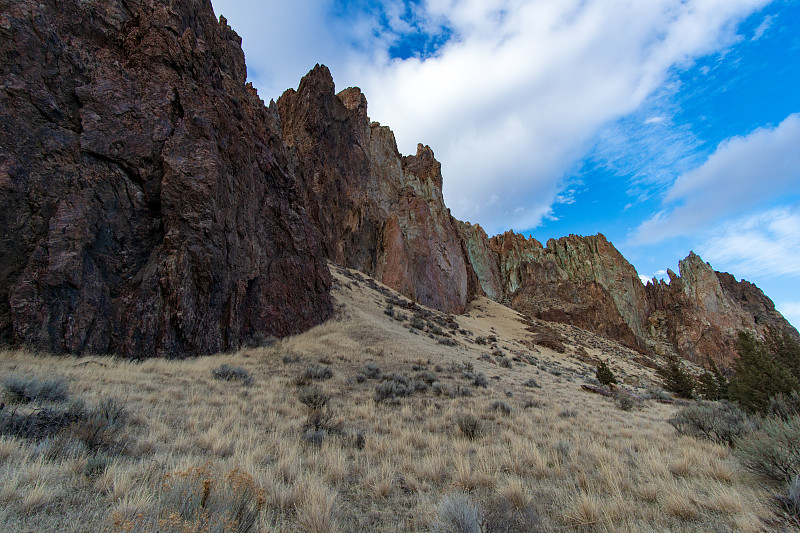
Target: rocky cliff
154	206
147	203
586	282
583	281
377	211
700	312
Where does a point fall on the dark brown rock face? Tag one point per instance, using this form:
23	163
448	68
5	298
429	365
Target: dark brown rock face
147	207
700	312
377	211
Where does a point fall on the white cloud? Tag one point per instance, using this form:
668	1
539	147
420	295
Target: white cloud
659	275
762	28
510	103
765	244
742	174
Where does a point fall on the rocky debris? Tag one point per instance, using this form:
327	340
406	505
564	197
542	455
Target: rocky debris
377	211
700	312
602	391
148	203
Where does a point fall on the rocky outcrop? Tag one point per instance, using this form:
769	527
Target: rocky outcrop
586	282
582	281
377	211
700	312
148	204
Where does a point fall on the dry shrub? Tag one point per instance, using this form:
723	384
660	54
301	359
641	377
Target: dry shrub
791	500
500	407
100	428
30	389
314	372
395	386
313	398
316	509
469	425
773	450
457	513
227	372
197	500
721	422
625	400
502	515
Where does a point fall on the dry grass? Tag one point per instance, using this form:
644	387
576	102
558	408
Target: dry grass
600	470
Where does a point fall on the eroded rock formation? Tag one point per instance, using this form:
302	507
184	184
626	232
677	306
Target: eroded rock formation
583	281
700	312
586	282
146	204
377	211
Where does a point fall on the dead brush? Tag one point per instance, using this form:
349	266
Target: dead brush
29	389
469	425
313	398
313	372
198	499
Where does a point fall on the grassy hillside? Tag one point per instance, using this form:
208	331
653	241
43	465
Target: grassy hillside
381	419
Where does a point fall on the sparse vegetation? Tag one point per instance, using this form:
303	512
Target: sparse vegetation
469	425
773	450
314	372
721	422
28	389
563	461
226	372
395	386
532	383
313	398
511	513
625	400
500	407
198	499
785	406
457	513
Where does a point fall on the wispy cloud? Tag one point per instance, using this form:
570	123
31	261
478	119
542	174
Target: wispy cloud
512	99
765	244
742	174
658	274
762	28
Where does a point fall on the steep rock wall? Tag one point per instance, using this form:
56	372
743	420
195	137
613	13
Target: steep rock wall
377	211
701	311
147	205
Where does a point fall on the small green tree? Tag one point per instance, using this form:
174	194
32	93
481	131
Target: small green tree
604	374
764	369
676	378
711	384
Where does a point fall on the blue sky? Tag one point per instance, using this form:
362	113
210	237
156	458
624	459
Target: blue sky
667	125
